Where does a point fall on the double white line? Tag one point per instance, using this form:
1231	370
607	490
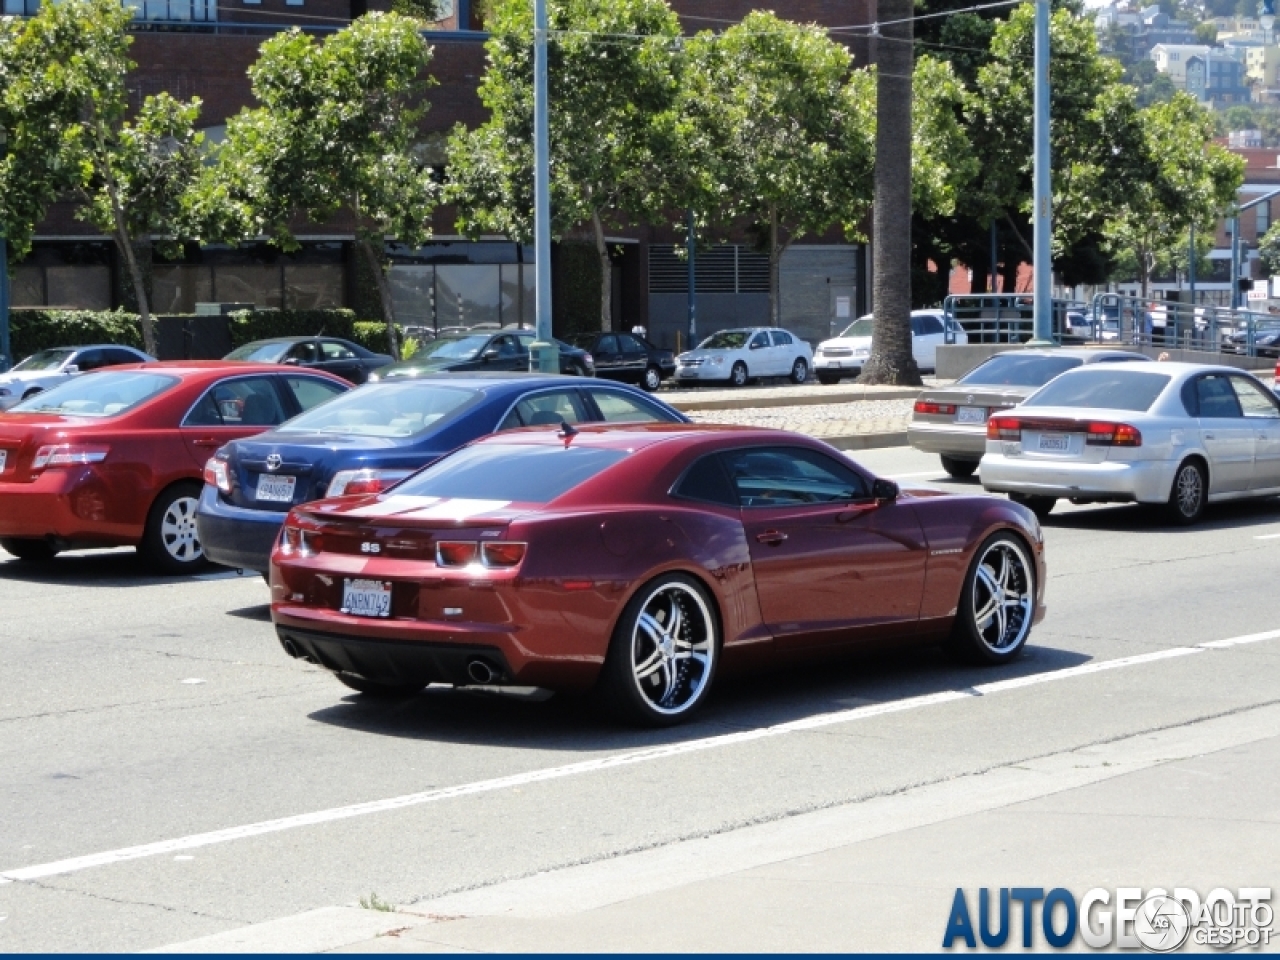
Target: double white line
194	841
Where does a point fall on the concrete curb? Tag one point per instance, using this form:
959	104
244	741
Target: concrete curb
867	441
789	398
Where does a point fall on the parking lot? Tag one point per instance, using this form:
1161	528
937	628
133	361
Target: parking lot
169	774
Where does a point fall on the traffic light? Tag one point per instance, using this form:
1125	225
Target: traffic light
1244	284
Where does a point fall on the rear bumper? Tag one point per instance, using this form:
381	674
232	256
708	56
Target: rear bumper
72	505
393	662
950	440
234	536
1143	481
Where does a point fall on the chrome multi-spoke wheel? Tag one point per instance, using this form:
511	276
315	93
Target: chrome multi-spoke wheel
1189	494
999	601
664	652
170	541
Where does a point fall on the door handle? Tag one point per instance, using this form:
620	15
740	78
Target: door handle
771	537
207	442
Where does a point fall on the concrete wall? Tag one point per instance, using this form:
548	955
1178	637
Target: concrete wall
956	361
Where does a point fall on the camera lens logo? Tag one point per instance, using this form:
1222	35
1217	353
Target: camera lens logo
1161	924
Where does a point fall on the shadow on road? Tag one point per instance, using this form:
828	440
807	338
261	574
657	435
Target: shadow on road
260	612
119	567
741	702
1145	518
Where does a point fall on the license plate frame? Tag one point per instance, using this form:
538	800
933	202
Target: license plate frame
366	598
1054	443
971	415
275	489
4	459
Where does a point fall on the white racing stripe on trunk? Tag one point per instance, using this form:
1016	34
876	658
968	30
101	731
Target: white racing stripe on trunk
193	841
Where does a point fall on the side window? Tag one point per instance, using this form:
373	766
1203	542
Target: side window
311	391
930	325
245	402
542	409
780	338
335	351
1215	398
607	344
917	326
1254	400
90	360
116	356
617	407
791	476
630	345
761	339
707	481
304	352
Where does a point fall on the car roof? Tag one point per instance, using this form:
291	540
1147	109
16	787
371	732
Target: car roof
634	436
1085	352
215	368
91	346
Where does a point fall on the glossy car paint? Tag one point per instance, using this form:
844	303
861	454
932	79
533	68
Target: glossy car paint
106	503
342	358
239	531
871	572
506	349
18	384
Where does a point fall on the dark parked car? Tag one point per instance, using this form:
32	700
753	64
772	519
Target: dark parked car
342	358
372	438
485	350
627	357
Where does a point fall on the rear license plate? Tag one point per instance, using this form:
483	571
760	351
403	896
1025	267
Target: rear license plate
4	458
1054	443
971	415
275	489
366	598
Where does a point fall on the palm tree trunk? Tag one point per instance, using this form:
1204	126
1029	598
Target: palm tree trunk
891	360
606	273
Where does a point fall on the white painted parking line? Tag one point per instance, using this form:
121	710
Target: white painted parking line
193	841
1268	536
905	476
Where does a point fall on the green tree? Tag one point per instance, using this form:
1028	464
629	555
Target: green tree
334	135
67	106
1188	180
1239	117
1206	33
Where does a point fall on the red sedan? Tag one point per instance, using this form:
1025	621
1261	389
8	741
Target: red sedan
116	457
639	557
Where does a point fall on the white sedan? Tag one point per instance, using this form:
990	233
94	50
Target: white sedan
1178	434
845	355
48	368
743	354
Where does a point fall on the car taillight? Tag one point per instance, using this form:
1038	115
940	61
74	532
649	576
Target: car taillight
299	542
1004	428
1101	434
349	482
68	455
927	406
217	475
495	554
589	360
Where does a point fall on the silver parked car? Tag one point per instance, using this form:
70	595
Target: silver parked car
48	368
744	354
1179	434
952	421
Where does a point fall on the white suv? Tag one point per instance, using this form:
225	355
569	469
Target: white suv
845	355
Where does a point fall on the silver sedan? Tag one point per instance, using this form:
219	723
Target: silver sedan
1178	434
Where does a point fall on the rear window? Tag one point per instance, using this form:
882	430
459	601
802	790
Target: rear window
395	410
258	352
1111	388
1014	370
98	394
511	472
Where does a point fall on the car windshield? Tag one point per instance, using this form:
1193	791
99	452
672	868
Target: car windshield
403	409
259	352
859	328
510	472
98	394
1108	388
452	348
726	340
1018	370
44	360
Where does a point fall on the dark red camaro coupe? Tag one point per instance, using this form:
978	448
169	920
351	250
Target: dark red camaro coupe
115	457
640	558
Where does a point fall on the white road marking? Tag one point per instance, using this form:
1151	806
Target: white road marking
245	831
1268	536
904	476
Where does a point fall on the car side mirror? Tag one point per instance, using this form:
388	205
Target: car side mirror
490	354
884	491
756	346
291	361
71	369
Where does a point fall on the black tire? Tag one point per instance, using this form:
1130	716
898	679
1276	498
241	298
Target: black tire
371	688
1040	506
31	550
682	666
738	375
575	371
651	379
828	379
1189	493
799	371
958	468
170	543
1000	584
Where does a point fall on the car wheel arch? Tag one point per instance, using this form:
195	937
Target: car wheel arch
1198	457
697	574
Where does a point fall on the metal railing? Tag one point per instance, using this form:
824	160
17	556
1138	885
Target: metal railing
1008	317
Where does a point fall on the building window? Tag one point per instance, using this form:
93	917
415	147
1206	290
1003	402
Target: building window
1263	213
21	8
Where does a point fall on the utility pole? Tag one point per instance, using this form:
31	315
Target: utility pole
544	355
693	281
1042	188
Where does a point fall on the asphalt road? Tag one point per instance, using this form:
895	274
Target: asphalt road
135	710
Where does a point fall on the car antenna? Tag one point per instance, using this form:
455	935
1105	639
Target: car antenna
567	430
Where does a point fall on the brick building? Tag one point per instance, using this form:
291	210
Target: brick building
204	47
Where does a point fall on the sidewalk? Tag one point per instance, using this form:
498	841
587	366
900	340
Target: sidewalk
1189	806
784	394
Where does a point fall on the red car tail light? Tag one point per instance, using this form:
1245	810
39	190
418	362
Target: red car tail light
346	483
456	553
928	406
217	475
68	455
1101	434
1004	428
299	542
502	553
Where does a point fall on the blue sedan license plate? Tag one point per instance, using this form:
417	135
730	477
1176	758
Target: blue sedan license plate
366	598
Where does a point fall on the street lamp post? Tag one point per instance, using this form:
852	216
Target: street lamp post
1042	217
544	355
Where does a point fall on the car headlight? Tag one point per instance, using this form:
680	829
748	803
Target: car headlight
716	361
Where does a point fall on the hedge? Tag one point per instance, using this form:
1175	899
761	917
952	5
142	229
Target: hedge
32	330
247	325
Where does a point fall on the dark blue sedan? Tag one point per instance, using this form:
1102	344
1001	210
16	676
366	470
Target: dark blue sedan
366	440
